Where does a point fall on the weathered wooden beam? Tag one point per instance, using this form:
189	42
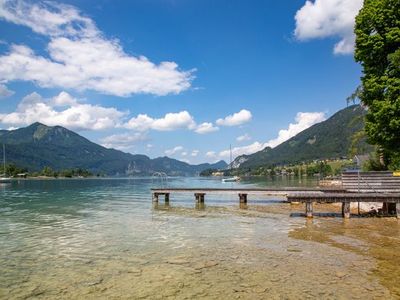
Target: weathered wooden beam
242	198
346	210
309	209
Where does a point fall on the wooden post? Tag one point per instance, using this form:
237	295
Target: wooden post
309	209
199	197
346	209
385	208
242	198
155	197
392	208
200	206
166	198
398	210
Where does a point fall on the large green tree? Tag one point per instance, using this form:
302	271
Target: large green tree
377	32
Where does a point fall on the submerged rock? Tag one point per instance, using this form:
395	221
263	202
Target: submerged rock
177	261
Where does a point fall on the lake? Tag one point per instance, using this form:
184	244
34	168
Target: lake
103	238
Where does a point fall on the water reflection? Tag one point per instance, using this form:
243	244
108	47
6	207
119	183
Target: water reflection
243	205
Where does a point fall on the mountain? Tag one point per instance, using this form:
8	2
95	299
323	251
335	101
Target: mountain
329	139
38	145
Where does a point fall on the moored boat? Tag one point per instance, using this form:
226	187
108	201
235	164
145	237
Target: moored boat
231	179
3	177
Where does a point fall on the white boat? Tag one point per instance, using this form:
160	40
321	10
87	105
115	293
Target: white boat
3	177
234	178
231	179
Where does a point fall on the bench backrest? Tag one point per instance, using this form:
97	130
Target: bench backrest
370	182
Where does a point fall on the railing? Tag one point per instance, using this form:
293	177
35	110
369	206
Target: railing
377	182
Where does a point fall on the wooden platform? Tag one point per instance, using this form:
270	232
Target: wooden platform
293	194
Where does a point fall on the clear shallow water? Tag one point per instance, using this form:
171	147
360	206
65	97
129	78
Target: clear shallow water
104	239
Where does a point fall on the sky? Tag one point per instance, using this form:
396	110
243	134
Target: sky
178	78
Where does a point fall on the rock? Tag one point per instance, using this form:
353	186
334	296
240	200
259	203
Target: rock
204	265
135	271
94	282
170	292
177	261
293	250
260	290
340	274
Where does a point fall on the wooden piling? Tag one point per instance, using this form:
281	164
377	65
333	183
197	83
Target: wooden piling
346	210
166	199
398	210
392	208
199	197
155	197
242	198
309	209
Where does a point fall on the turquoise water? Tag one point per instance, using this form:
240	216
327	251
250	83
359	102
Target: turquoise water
103	238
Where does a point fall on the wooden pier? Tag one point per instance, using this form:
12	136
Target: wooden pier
199	193
308	196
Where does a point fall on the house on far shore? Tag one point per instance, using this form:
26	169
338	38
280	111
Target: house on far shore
218	173
22	175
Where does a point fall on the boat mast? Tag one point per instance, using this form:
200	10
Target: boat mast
230	151
4	159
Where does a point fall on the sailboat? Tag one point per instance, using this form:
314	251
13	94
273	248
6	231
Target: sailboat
3	177
234	178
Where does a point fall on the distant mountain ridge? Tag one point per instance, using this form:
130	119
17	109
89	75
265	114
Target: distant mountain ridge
38	145
331	138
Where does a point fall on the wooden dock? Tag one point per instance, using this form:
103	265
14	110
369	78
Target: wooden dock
292	194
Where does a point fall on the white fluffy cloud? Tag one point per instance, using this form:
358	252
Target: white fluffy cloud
237	151
174	150
80	56
123	141
5	92
243	138
67	111
171	121
206	127
235	119
195	153
303	120
62	110
325	18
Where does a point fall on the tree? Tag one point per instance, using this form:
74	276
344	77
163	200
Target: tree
377	48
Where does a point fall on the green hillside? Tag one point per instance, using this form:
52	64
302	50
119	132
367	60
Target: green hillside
329	139
38	145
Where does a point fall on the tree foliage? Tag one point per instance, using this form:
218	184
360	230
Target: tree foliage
377	32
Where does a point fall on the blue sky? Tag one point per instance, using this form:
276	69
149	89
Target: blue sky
179	78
